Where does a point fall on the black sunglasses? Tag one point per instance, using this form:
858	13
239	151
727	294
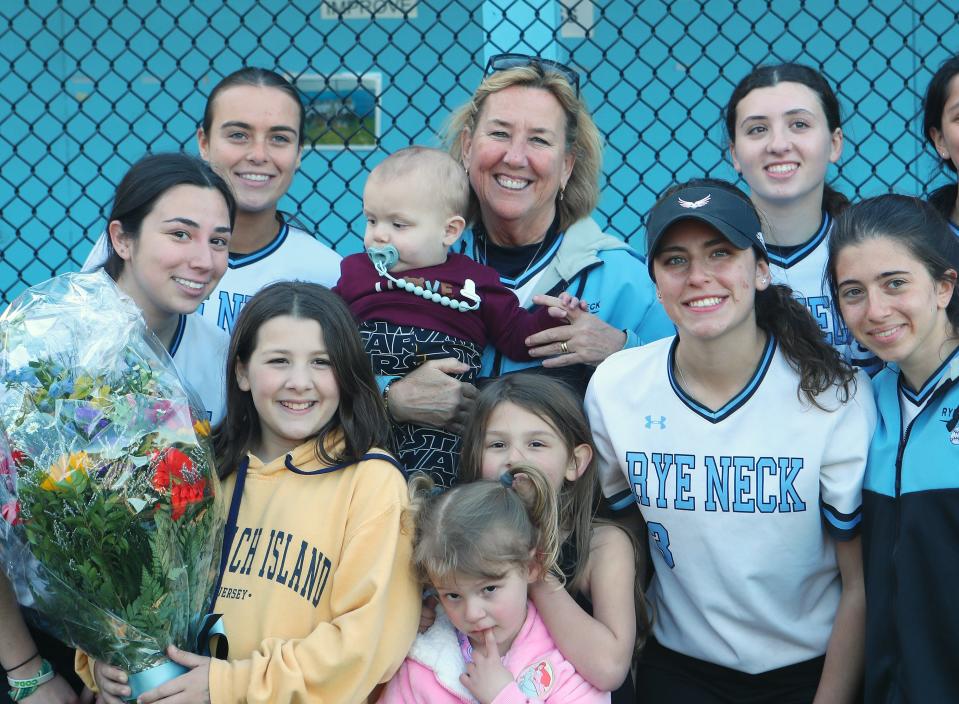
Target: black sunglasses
502	62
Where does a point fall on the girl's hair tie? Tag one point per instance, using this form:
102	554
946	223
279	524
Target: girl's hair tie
506	479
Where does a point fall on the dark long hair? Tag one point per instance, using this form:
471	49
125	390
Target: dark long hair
912	223
253	76
768	76
779	314
933	105
360	415
144	184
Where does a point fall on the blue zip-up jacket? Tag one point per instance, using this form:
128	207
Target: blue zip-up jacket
911	543
601	270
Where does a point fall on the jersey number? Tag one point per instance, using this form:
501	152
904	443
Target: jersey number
660	536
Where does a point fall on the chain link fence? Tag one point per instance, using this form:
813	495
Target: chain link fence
87	87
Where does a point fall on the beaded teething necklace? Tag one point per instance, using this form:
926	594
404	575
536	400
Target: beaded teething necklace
385	257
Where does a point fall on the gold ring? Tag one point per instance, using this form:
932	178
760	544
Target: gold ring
563	346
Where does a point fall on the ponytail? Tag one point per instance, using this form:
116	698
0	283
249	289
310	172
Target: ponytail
818	363
533	489
482	529
833	202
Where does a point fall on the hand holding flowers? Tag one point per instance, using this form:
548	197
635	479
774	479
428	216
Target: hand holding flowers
109	526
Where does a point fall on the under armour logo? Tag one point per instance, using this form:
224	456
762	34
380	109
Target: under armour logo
694	203
661	422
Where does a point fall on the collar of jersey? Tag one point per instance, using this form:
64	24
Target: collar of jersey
238	260
947	371
720	414
796	255
177	336
534	268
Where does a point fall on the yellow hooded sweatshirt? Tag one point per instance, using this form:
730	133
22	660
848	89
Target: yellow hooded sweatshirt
318	597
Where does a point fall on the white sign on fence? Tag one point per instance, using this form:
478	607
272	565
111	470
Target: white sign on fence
367	9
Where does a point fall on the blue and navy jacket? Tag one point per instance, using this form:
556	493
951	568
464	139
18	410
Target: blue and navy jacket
911	542
598	268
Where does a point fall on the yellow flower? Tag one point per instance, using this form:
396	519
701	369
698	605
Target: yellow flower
202	428
66	470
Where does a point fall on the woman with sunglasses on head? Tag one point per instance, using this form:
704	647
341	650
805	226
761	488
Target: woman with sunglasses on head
533	156
743	442
252	134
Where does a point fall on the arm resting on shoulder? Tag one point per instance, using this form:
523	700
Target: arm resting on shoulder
600	646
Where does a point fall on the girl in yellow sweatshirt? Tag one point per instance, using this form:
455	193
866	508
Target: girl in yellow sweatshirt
316	590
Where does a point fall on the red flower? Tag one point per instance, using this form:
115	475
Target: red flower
10	512
170	468
16	460
186	494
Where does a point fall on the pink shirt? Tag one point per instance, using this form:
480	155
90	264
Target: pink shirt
430	674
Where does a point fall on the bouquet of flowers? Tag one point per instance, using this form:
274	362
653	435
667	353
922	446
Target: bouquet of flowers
109	526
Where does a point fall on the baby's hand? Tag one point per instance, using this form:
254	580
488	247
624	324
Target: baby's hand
486	677
562	306
572	302
428	613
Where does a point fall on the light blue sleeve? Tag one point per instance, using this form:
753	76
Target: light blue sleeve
621	293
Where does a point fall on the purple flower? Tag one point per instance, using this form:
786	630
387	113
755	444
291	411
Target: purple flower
90	418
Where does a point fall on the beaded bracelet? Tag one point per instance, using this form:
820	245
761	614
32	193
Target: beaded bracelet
386	397
21	689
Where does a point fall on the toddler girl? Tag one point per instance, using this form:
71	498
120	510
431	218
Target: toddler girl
480	545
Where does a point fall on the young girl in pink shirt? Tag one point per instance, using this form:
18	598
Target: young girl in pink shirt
481	545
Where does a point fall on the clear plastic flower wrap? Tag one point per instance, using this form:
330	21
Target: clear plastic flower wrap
110	529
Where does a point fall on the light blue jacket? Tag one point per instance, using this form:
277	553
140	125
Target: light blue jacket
910	534
598	268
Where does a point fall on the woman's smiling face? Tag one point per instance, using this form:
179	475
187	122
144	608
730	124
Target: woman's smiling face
517	159
783	143
708	286
179	255
254	144
893	306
